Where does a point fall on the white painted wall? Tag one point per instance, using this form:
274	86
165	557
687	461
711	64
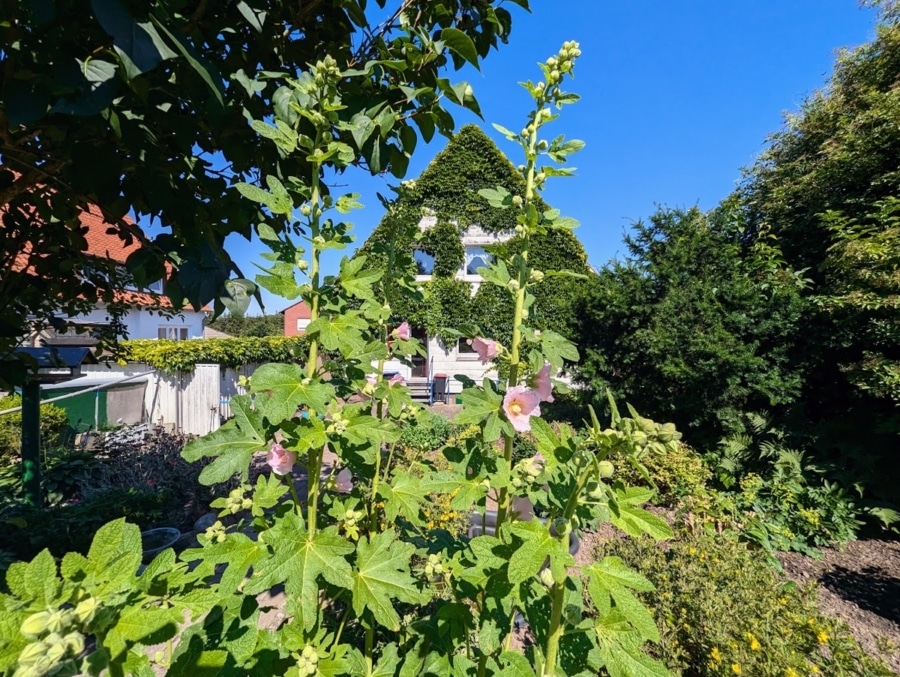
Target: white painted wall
144	324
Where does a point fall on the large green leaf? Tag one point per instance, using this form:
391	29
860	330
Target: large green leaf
115	556
403	496
298	561
291	389
460	43
232	448
382	575
611	580
539	545
620	649
340	332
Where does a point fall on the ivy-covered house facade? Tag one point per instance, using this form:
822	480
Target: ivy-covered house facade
451	232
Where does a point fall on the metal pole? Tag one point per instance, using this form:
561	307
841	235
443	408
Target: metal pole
31	443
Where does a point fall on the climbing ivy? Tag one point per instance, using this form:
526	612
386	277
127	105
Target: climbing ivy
448	191
443	242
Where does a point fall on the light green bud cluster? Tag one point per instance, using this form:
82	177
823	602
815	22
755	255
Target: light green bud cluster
517	200
326	73
237	501
216	533
352	517
338	425
56	638
435	566
536	275
308	662
306	209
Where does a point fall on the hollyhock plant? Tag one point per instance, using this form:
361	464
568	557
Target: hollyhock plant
542	384
397	379
280	459
486	348
402	332
520	404
344	481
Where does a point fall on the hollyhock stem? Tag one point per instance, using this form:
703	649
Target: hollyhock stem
503	497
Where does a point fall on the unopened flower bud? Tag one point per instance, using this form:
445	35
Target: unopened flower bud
86	610
517	200
546	577
35	624
302	264
606	469
75	642
536	275
305	209
32	653
513	285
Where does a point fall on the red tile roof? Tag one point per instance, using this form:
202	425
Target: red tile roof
101	243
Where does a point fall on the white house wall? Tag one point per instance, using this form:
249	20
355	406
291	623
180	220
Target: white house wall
142	324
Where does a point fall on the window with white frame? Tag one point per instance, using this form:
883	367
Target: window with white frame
424	262
476	257
465	351
173	333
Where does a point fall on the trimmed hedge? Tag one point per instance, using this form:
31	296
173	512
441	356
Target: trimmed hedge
171	356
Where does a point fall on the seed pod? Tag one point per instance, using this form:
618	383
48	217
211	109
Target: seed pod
606	469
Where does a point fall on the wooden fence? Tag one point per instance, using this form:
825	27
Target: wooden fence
194	402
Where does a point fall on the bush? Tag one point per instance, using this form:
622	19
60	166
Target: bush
721	610
54	425
676	473
26	531
426	432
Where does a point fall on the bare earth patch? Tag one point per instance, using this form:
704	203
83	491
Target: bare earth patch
860	585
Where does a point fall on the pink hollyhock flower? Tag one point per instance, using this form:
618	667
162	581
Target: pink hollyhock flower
541	382
396	379
371	379
520	404
402	332
538	460
487	350
344	483
280	459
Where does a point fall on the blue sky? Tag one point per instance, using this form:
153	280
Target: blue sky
676	98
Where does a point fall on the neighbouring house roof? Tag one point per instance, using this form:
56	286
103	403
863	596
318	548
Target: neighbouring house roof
301	307
209	332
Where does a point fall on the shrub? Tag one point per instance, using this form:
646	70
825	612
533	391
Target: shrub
26	531
676	473
54	425
426	432
721	610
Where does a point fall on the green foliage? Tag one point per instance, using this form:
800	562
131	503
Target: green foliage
694	327
443	243
71	527
152	89
250	325
349	556
170	356
677	472
722	610
448	190
427	432
826	187
54	425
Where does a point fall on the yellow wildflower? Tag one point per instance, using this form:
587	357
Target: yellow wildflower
790	672
822	637
754	643
716	654
736	668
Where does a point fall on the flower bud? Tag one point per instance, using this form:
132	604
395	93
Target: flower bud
606	469
517	199
35	624
513	285
32	653
305	209
75	642
562	527
540	177
59	620
536	275
302	264
543	145
546	577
